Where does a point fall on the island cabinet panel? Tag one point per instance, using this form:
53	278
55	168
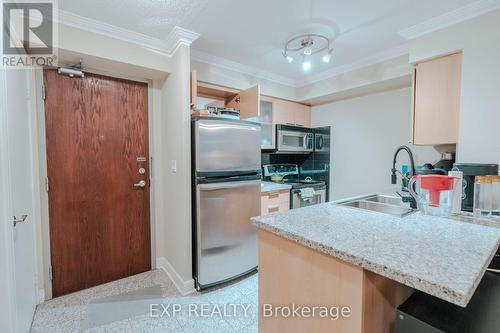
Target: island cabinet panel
290	273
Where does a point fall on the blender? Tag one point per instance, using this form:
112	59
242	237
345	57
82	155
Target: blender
433	193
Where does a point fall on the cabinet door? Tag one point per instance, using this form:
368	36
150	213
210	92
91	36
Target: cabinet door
437	100
247	102
282	113
302	115
267	126
290	113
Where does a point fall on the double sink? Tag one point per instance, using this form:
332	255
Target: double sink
381	203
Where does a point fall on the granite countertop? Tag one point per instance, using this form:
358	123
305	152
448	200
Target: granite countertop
442	257
270	187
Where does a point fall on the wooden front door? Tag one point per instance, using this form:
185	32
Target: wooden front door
97	154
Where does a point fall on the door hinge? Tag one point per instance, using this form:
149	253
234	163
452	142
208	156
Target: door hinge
50	272
47	184
44	93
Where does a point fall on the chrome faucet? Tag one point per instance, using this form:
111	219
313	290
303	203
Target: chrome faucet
405	178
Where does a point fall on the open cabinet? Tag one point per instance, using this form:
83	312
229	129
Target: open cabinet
247	101
268	111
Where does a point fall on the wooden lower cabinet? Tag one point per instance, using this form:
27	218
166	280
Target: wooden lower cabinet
290	274
275	201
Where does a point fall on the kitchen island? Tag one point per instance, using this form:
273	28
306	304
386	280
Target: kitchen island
331	255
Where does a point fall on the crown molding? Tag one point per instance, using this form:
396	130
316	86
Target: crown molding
240	68
178	36
456	16
365	62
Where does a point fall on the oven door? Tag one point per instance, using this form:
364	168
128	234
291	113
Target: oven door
295	141
298	202
321	143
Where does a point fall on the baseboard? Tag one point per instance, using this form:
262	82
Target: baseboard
185	287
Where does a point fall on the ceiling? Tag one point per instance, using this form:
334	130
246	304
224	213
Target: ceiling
252	33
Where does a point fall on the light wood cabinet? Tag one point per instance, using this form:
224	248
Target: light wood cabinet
252	105
291	113
275	201
290	273
436	100
247	102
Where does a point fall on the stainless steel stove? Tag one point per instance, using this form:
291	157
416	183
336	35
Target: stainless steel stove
305	192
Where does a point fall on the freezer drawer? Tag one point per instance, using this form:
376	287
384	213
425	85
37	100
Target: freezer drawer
226	244
224	145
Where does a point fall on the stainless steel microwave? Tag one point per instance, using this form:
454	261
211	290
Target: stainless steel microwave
293	139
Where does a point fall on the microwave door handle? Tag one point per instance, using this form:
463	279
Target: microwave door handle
307	139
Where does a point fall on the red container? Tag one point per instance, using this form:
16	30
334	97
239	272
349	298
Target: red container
435	184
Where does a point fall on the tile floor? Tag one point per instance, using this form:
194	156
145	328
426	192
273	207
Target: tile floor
124	306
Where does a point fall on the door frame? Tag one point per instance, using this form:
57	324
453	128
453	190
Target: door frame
6	234
42	167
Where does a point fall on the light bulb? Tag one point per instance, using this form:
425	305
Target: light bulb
289	58
306	65
327	57
308	51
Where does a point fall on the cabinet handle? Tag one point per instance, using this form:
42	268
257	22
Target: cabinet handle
273	209
273	195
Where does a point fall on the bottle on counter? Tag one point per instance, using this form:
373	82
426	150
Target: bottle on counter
495	198
482	196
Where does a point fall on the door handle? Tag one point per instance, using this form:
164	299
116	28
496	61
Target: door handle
18	219
140	184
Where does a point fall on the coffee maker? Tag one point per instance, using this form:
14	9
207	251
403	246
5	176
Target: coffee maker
447	157
470	171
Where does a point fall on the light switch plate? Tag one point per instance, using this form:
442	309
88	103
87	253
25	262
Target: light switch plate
174	165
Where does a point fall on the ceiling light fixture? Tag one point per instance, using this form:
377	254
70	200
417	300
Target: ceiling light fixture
307	45
288	58
327	57
306	65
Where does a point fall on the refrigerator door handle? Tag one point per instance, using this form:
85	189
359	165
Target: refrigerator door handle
218	186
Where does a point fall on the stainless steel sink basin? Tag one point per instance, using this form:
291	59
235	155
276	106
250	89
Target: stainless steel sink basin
382	204
385	199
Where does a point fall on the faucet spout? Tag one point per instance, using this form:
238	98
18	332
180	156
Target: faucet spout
413	203
412	163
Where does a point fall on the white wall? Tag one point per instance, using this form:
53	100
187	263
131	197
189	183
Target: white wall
365	133
173	208
479	40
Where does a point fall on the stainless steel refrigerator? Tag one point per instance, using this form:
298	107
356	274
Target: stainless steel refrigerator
226	172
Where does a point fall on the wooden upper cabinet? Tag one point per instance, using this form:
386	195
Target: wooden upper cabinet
302	115
290	113
436	100
247	102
